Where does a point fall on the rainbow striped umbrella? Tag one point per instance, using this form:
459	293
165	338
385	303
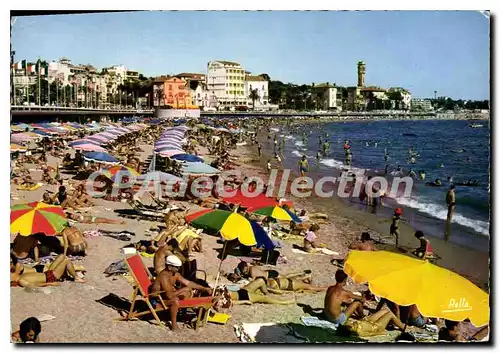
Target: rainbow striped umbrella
37	217
276	212
123	170
231	225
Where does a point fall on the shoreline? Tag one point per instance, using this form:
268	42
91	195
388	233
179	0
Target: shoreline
352	221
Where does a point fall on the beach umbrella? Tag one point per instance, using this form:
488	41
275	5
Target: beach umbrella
122	170
37	217
231	225
113	132
98	138
17	148
83	142
168	140
436	291
187	157
159	176
169	152
108	135
276	212
100	157
254	202
89	147
24	136
41	133
198	168
168	146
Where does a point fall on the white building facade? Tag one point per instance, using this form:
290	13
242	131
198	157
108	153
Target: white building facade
262	86
226	83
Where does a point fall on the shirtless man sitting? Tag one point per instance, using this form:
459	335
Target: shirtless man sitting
336	296
166	282
73	242
169	248
364	244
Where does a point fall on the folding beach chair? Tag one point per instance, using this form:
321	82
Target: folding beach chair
142	278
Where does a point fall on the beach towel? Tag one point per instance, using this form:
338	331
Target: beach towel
45	317
116	268
36	186
265	333
317	251
91	233
317	322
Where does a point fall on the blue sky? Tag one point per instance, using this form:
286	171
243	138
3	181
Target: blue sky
423	51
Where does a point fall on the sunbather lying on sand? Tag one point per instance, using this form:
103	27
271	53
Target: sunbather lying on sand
167	281
248	294
373	325
91	219
56	270
244	270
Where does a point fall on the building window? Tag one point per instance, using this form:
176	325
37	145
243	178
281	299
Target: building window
262	87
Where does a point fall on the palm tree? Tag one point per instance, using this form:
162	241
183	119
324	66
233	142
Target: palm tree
254	95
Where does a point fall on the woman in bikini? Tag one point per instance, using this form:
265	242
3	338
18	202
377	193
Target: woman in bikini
19	276
92	219
248	294
286	284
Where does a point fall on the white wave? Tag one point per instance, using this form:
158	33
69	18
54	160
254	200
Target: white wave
441	212
300	154
289	137
275	129
331	162
299	144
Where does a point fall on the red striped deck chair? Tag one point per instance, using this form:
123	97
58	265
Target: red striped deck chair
142	278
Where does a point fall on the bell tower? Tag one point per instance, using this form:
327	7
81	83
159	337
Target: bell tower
361	74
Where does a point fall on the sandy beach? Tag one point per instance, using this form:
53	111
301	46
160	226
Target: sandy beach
80	317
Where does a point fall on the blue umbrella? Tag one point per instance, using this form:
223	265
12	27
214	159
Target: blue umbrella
40	132
187	158
100	157
198	168
263	239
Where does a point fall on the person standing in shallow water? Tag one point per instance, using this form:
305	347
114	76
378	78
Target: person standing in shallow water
450	201
259	149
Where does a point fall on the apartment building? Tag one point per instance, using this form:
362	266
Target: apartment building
261	85
226	83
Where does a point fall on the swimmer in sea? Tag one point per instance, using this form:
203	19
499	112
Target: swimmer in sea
320	141
422	174
437	182
303	166
318	158
386	155
386	169
412	174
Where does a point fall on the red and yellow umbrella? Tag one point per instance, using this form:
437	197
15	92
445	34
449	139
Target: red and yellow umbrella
37	217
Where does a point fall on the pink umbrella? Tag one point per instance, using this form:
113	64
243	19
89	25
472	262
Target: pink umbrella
89	147
170	153
23	137
108	135
98	138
